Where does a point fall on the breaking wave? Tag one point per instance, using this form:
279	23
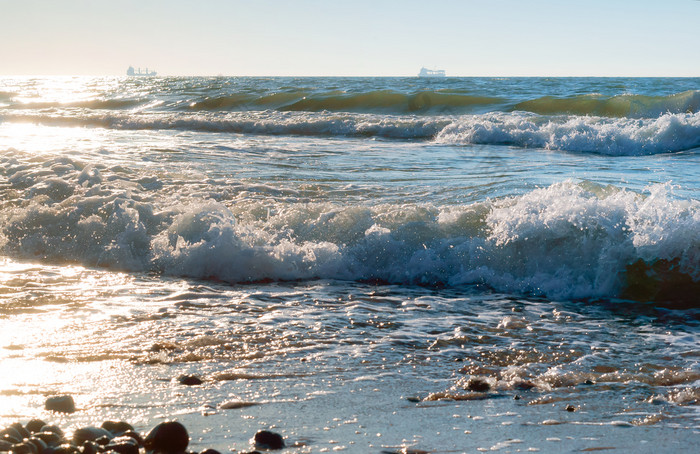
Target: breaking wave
665	134
668	133
568	240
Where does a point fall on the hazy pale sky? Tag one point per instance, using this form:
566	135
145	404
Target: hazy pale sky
352	38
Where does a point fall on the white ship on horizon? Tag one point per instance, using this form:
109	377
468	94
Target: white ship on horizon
132	72
425	72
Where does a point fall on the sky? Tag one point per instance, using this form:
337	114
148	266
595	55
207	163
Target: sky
351	38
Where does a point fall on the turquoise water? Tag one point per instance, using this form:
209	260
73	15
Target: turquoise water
329	247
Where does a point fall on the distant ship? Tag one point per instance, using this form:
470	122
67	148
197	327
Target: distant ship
132	72
425	72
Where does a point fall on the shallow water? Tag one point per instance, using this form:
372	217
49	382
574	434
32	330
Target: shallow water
338	260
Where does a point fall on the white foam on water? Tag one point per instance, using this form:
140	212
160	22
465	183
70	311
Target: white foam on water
568	240
609	136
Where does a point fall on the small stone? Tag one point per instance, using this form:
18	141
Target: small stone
60	404
123	445
210	451
24	448
103	440
50	438
189	380
52	428
11	435
478	385
39	443
135	435
265	439
11	440
90	433
34	425
413	399
570	408
24	433
66	449
117	427
517	397
168	437
90	447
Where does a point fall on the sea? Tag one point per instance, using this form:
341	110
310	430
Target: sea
362	265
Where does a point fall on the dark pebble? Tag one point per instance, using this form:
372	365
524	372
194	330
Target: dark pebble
210	451
169	437
11	432
478	385
50	438
103	440
60	404
117	427
570	408
24	448
7	440
34	425
24	433
123	445
52	428
189	380
10	435
135	435
90	447
265	439
39	443
90	433
66	449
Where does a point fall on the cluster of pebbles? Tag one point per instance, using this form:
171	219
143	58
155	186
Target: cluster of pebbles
112	437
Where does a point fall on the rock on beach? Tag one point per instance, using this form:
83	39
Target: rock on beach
60	404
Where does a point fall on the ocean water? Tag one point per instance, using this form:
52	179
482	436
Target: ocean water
343	260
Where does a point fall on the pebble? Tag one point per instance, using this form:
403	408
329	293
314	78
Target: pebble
189	380
50	438
123	445
570	408
117	427
60	404
265	439
23	448
52	428
168	437
24	433
478	385
90	433
35	425
11	435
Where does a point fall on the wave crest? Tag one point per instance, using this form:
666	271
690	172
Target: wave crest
568	240
665	134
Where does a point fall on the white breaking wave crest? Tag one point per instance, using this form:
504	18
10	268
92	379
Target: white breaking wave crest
667	133
258	122
609	136
569	240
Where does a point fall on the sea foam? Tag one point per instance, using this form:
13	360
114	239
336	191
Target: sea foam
568	240
668	133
